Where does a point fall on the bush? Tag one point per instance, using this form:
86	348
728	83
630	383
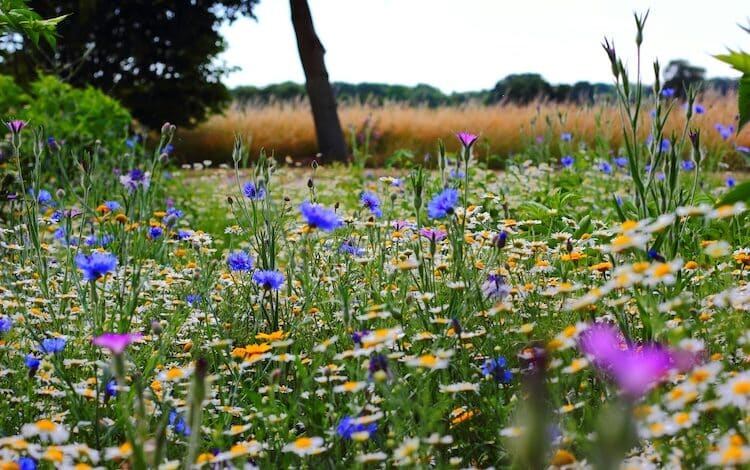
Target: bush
76	116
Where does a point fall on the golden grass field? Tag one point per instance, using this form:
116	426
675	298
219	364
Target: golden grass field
287	128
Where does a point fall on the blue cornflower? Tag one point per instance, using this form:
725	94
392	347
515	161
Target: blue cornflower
268	279
660	176
348	426
667	92
193	298
619	200
442	204
566	137
169	148
240	261
358	335
621	161
31	362
730	182
371	201
5	324
56	216
252	192
59	233
26	463
155	232
184	234
567	161
497	369
42	197
52	345
699	109
605	167
112	205
687	165
111	388
178	423
96	265
665	145
349	247
495	286
453	175
318	216
173	211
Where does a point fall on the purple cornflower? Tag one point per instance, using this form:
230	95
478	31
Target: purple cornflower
467	139
269	280
240	261
495	287
252	192
442	204
377	363
116	342
135	178
567	161
318	216
371	201
96	265
497	369
15	125
432	234
358	335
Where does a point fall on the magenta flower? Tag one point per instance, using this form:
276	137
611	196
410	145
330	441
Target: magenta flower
467	139
432	234
116	342
15	125
635	369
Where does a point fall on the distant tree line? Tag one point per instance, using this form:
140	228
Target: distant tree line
516	88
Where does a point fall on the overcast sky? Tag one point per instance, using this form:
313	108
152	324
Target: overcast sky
461	45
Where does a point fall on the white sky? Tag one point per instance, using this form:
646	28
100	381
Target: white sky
461	45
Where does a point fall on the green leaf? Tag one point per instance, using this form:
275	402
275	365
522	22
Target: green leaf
741	192
743	101
739	60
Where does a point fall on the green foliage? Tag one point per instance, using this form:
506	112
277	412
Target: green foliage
741	193
740	61
743	101
77	116
157	58
16	17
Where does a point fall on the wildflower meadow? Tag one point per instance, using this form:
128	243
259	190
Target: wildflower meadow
586	310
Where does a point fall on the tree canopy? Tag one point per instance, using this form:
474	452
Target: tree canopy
156	57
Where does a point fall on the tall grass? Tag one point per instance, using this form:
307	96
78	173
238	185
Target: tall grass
287	127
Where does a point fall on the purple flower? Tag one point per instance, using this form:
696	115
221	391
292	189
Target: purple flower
377	363
467	139
566	137
699	109
318	216
741	148
495	287
269	279
116	342
442	204
16	125
371	201
136	178
240	261
96	265
635	370
432	234
567	161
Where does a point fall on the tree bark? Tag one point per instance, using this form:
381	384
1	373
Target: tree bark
327	125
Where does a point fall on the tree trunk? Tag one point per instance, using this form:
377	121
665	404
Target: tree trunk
327	125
